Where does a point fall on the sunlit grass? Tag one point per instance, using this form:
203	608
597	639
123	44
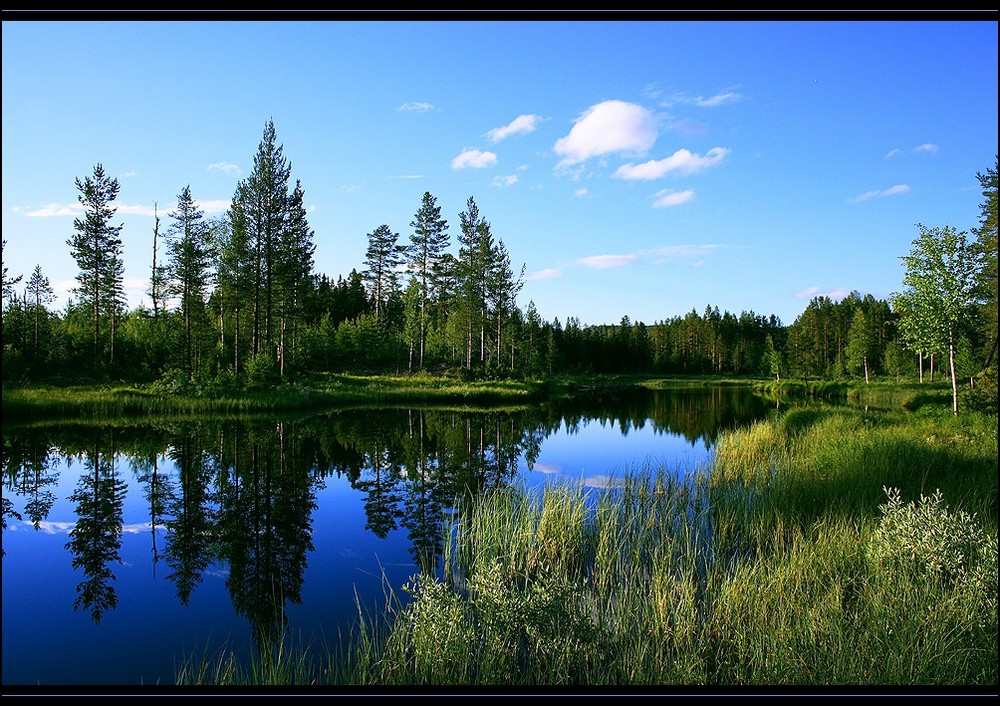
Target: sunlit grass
824	547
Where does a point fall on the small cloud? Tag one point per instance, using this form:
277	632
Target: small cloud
407	176
55	209
416	107
476	159
548	273
520	125
813	292
128	174
893	152
682	161
926	147
603	262
681	252
669	197
50	527
610	127
135	209
225	168
581	192
504	180
891	191
723	98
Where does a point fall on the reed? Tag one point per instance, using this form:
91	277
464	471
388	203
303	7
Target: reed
823	547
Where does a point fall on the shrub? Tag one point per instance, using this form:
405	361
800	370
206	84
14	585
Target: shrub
926	541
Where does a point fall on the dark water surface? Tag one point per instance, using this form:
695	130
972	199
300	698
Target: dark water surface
128	548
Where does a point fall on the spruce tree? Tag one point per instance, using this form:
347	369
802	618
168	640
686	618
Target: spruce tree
96	246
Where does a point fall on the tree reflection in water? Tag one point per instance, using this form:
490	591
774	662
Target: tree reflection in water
241	494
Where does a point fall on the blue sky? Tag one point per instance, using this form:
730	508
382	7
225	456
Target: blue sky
641	168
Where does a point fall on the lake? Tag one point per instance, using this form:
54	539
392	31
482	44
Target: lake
129	548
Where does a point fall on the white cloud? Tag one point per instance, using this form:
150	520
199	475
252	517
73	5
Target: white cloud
813	292
476	159
682	161
926	147
603	262
656	255
893	152
610	127
225	168
718	99
504	180
891	191
417	107
548	273
669	197
55	209
581	192
209	207
215	205
139	209
679	252
54	527
520	125
715	101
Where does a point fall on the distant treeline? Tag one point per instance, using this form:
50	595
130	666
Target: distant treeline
237	299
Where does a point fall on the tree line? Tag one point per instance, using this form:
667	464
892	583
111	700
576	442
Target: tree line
237	299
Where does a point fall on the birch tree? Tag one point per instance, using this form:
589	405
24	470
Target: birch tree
941	285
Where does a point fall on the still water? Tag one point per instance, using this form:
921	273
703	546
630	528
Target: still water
129	548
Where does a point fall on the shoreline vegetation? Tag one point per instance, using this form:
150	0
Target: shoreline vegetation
111	401
828	545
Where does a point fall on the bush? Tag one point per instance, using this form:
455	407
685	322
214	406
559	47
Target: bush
982	396
926	541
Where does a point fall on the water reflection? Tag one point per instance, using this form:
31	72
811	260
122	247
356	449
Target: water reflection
242	493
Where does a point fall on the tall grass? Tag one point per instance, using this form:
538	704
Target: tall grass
824	547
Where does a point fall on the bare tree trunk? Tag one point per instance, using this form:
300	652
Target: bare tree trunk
951	362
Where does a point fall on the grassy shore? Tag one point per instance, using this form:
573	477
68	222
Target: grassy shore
118	401
103	402
826	546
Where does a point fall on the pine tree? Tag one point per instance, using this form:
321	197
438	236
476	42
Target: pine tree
475	261
382	258
157	274
503	288
97	248
40	294
8	282
294	274
189	272
428	243
267	257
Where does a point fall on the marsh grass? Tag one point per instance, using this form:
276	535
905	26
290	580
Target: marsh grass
823	547
169	397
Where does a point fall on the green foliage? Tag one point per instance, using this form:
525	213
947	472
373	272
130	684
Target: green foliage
982	396
926	540
262	368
